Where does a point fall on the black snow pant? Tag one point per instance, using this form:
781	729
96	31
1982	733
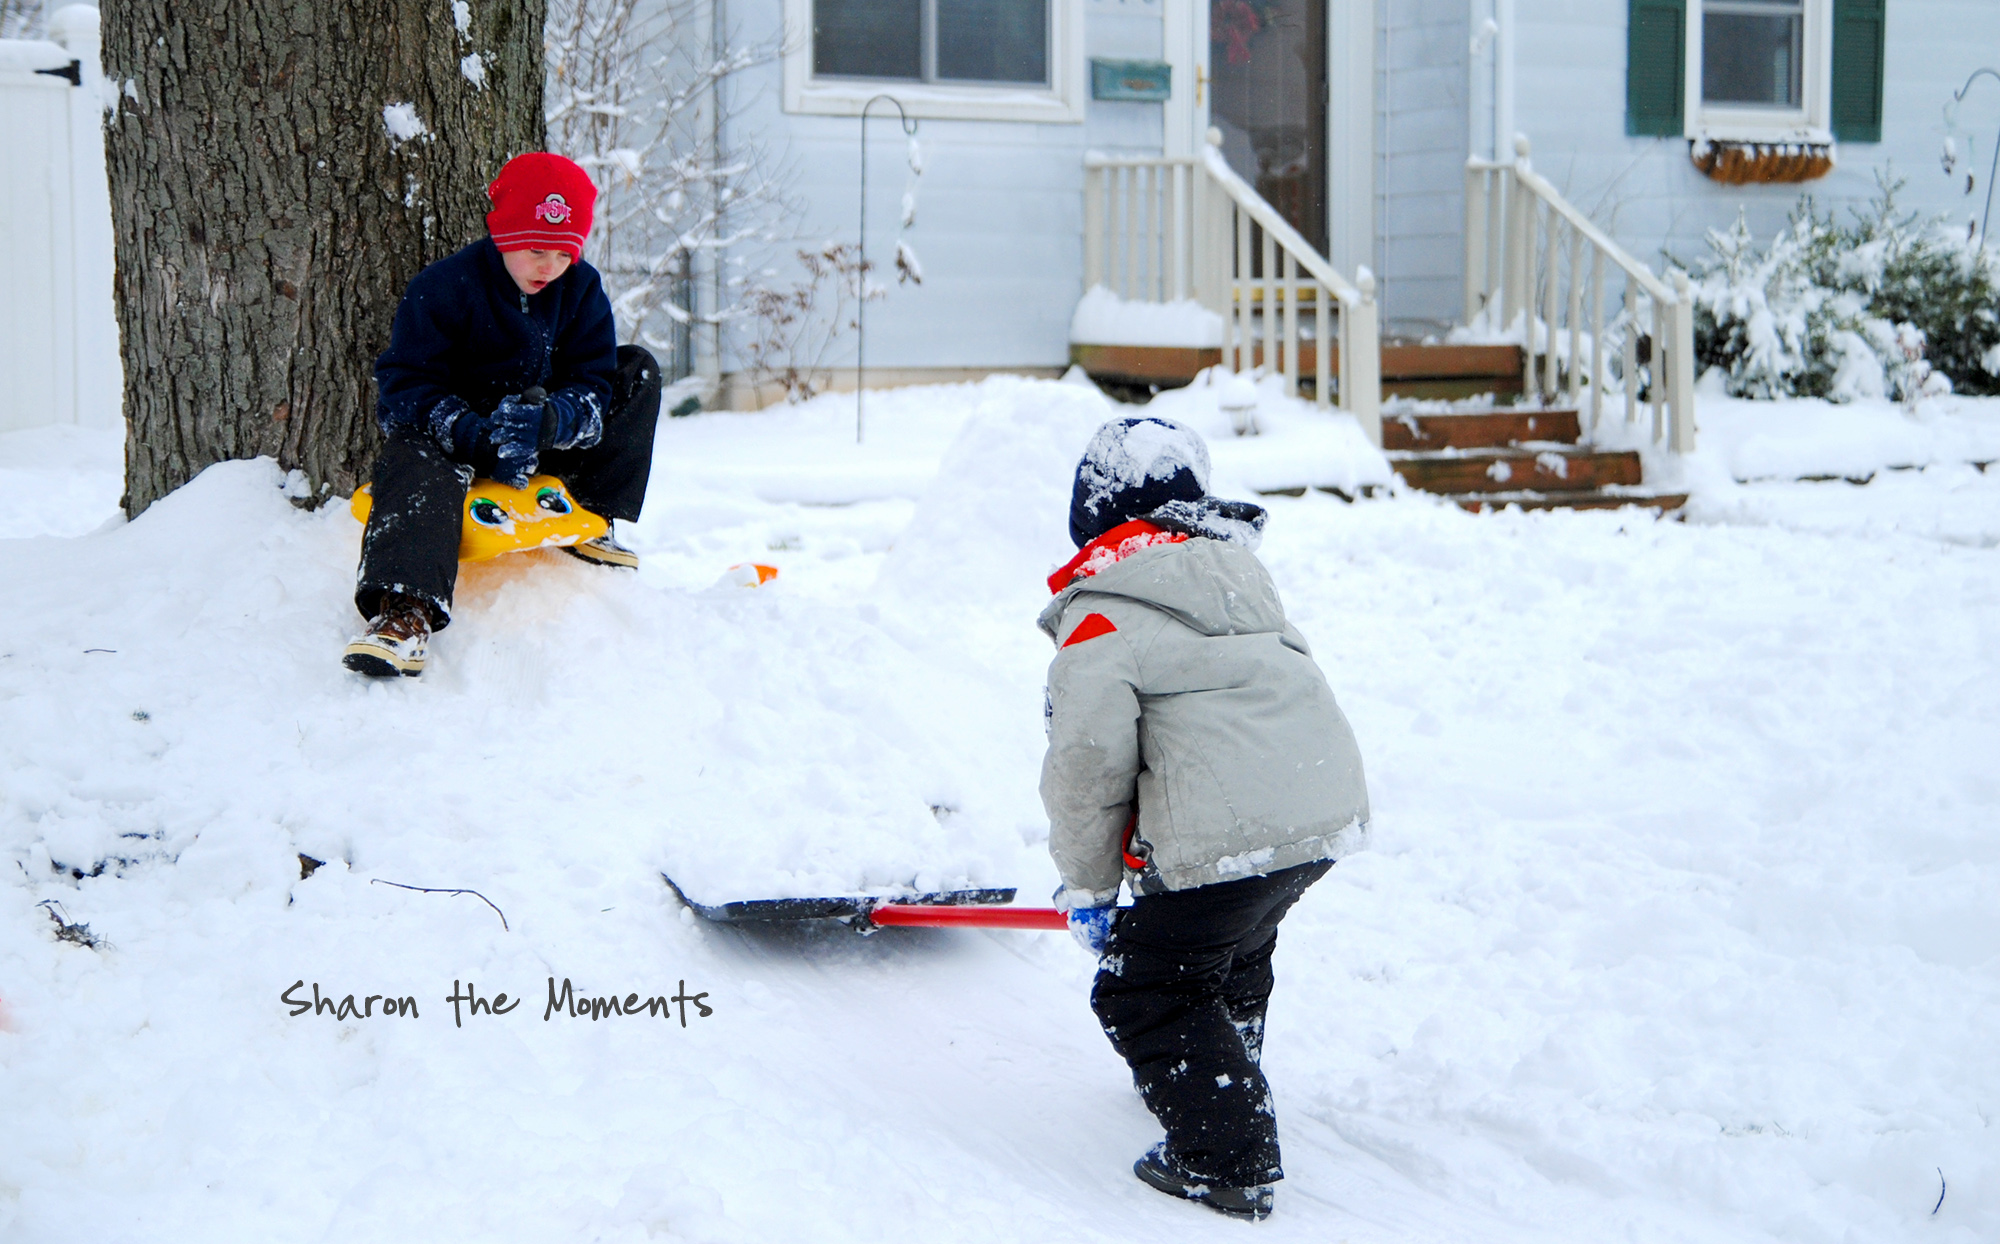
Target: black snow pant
1182	990
418	506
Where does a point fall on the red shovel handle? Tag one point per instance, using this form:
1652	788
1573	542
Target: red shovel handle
942	917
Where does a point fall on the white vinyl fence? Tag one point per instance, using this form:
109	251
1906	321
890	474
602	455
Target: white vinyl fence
58	338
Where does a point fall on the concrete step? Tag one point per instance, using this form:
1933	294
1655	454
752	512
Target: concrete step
1483	429
1516	470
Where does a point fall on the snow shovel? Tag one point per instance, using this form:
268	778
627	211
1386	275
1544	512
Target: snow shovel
944	909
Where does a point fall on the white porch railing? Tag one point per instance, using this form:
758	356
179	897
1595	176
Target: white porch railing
1533	260
1161	229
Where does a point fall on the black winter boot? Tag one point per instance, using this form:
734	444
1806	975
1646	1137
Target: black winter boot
1159	1171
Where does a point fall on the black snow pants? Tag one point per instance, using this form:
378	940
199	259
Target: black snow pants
418	506
1181	992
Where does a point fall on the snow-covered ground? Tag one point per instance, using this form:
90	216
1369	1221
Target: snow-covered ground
1679	925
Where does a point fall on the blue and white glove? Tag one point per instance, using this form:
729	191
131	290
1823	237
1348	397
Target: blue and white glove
1091	927
515	430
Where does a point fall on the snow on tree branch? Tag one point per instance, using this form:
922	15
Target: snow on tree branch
631	95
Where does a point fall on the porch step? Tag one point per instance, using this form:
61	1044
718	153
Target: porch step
1478	429
1431	371
1458	473
1659	503
1169	367
1409	368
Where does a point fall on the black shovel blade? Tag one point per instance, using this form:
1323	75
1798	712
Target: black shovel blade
844	908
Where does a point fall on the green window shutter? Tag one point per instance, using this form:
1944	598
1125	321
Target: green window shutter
1656	67
1858	27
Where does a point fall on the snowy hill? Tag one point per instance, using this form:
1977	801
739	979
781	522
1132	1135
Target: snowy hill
1679	924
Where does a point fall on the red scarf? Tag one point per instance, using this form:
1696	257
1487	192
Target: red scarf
1111	548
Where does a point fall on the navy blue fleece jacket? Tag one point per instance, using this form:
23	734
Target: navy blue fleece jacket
465	336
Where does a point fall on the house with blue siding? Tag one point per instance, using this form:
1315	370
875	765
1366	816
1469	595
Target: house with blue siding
1653	121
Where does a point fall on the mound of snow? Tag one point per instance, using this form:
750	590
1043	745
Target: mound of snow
1300	445
1797	438
996	519
750	744
808	453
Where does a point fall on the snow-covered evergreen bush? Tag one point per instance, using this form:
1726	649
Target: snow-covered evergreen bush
1887	305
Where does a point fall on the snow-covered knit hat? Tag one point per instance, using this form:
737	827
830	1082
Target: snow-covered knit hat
541	201
1131	468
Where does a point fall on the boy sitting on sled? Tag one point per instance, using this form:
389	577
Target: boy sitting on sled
516	311
1196	754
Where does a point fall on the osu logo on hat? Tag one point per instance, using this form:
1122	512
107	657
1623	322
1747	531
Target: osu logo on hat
554	209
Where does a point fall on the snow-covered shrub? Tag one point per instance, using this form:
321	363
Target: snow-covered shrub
1887	305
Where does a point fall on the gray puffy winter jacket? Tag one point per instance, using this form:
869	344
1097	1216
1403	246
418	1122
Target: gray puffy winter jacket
1178	686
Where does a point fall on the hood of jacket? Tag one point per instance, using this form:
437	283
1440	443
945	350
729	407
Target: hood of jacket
1211	586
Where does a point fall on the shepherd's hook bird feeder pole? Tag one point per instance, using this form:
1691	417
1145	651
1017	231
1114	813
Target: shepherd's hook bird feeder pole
861	313
1959	98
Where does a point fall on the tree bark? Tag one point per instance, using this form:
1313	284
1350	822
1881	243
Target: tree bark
267	219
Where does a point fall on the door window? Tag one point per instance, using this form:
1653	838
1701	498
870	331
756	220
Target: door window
1267	61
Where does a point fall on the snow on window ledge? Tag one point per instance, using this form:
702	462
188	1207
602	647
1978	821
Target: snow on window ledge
1715	127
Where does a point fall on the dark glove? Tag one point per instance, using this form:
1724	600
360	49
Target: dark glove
514	431
457	429
571	419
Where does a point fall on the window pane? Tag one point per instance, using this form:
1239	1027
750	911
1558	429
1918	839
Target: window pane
993	40
868	38
1750	56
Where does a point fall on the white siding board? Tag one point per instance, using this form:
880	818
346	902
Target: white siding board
1422	95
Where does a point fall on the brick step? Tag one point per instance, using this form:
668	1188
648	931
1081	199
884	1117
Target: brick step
1483	429
1659	503
1517	470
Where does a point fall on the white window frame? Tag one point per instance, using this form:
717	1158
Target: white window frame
1060	102
1812	123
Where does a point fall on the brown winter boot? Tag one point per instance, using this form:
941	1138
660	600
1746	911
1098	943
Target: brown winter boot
395	640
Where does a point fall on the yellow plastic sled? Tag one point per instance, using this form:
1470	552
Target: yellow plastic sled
499	519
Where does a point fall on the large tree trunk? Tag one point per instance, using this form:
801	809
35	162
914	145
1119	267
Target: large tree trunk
267	219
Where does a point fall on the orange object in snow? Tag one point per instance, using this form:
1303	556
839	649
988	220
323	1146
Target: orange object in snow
499	519
748	574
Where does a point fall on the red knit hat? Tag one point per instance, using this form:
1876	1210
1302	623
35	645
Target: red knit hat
541	201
